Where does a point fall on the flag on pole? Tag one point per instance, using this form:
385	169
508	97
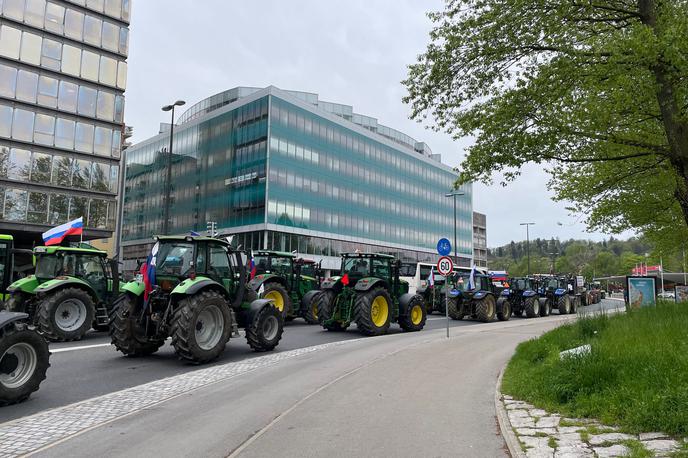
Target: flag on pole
252	267
56	235
431	277
148	271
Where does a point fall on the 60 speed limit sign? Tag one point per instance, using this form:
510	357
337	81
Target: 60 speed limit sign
445	265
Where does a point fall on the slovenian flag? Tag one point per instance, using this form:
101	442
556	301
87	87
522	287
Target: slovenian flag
252	267
56	235
148	271
431	277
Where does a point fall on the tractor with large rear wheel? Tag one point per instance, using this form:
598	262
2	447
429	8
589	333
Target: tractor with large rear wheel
474	296
196	296
369	293
522	297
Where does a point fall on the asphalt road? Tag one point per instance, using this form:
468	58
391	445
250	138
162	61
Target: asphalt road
91	367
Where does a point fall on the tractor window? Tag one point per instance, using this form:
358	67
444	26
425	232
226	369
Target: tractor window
199	264
47	266
462	280
281	265
409	270
174	258
308	269
4	258
519	284
425	272
356	266
381	268
262	264
218	265
552	283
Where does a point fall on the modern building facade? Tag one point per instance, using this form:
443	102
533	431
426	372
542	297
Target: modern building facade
284	170
63	73
480	239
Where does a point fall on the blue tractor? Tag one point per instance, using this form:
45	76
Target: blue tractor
476	300
556	293
522	297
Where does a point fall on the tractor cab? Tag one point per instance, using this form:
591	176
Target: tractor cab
274	262
365	266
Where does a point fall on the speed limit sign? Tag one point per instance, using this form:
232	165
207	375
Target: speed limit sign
445	265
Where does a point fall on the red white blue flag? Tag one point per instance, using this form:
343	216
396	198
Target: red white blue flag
56	235
148	271
431	277
252	267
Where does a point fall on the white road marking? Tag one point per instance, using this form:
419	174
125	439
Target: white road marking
80	347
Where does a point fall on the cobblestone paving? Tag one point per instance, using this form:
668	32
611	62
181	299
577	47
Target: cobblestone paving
30	433
545	435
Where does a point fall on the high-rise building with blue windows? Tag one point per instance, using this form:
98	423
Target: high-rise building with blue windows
284	170
63	71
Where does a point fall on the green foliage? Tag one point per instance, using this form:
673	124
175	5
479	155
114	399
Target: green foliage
636	375
594	91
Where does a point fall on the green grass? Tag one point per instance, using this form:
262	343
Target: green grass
636	375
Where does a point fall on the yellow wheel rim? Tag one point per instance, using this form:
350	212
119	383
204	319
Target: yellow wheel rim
276	298
379	311
314	311
416	314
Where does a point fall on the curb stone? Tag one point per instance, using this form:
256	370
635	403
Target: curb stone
512	442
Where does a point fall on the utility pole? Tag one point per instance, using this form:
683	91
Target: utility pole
453	194
168	179
527	225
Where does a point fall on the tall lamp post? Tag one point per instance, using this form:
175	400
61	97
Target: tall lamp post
454	194
527	225
168	180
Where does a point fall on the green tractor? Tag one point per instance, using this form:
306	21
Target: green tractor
70	292
24	355
371	294
197	299
287	281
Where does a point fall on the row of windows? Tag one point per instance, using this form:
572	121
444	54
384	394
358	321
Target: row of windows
295	214
44	129
69	22
38	88
54	55
362	173
118	9
354	197
20	205
368	151
52	169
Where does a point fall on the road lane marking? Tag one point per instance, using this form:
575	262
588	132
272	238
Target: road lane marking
80	347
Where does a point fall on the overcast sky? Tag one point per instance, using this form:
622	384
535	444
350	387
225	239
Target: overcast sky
353	52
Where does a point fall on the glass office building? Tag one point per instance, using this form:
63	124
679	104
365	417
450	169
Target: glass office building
62	78
284	170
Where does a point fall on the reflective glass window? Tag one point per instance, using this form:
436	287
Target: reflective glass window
64	133
8	81
116	143
81	174
67	100
4	165
19	167
15	204
110	36
47	91
58	210
106	105
27	86
92	28
95	5
13	9
113	8
35	12
119	108
37	211
62	171
89	65
126	9
108	71
54	18
51	55
103	141
74	24
122	75
123	40
114	178
97	213
41	168
84	137
87	101
71	60
30	48
5	121
100	177
44	129
22	125
10	41
78	207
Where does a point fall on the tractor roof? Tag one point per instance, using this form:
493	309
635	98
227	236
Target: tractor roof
274	254
6	237
367	255
65	249
189	238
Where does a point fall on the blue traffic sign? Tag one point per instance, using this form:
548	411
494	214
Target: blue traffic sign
444	247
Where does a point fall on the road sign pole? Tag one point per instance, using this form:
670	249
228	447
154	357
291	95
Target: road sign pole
446	302
445	267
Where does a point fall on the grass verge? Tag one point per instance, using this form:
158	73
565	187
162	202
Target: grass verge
636	375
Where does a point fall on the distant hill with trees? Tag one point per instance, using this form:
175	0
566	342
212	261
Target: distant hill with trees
581	257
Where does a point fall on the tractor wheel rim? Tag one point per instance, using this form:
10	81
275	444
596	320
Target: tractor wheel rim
314	311
276	299
379	311
70	314
416	314
210	325
18	365
270	328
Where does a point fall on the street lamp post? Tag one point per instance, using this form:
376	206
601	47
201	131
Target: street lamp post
168	180
527	225
454	194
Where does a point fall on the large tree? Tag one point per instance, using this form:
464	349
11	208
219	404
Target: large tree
594	90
